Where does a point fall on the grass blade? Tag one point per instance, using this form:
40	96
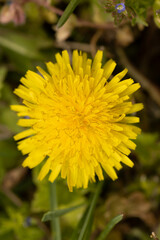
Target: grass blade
58	213
67	12
18	43
109	227
89	212
3	72
80	224
89	229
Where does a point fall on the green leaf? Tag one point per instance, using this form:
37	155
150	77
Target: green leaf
8	118
67	12
18	43
80	224
40	201
85	222
18	225
58	213
90	211
89	229
148	150
109	227
3	72
156	9
140	8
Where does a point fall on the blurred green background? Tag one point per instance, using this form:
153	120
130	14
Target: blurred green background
29	38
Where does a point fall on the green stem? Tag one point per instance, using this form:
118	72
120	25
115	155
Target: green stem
55	224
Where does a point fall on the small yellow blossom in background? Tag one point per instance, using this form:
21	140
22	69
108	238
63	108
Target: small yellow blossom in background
77	120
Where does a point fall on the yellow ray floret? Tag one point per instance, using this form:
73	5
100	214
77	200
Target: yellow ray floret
77	119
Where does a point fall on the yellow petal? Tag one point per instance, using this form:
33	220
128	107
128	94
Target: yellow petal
136	107
45	169
26	122
131	89
119	76
34	158
127	161
130	120
55	172
110	171
108	68
19	108
24	134
97	60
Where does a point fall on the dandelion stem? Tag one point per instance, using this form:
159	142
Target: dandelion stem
55	225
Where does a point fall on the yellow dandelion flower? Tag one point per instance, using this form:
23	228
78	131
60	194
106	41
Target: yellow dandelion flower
78	121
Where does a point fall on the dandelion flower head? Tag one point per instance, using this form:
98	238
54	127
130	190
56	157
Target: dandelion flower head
78	123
